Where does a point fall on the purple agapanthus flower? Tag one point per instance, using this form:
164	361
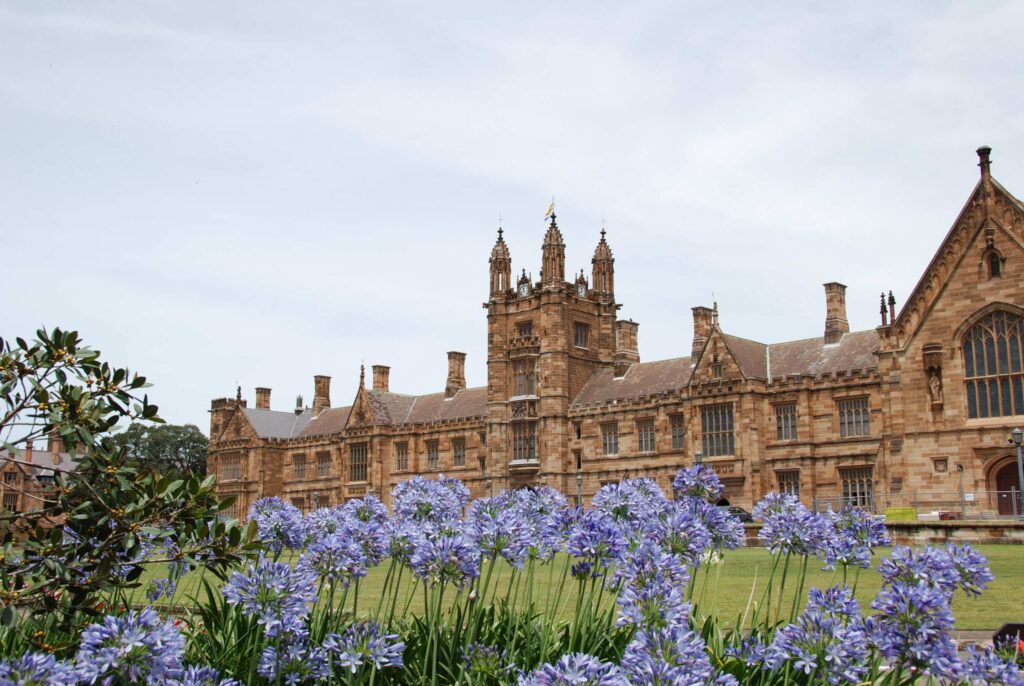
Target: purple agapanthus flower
499	529
856	533
279	523
725	530
363	643
652	582
971	568
669	655
275	593
945	569
544	513
986	668
445	558
631	503
159	588
202	676
698	481
424	500
336	557
325	521
827	643
36	669
790	528
681	531
294	661
596	538
750	650
139	647
576	669
912	627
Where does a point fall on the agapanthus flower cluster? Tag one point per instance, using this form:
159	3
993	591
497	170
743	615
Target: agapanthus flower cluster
424	500
681	531
36	669
545	513
363	643
668	655
986	668
324	521
652	583
279	523
945	569
445	559
726	530
698	481
139	647
337	558
596	539
275	593
827	643
202	676
499	527
159	588
790	527
912	627
576	669
855	534
631	503
293	661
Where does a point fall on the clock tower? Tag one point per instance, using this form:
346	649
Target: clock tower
544	341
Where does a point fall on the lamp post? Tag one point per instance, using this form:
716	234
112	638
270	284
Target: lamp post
1016	436
316	500
698	457
579	489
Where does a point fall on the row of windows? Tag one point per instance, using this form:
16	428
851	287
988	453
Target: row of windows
857	485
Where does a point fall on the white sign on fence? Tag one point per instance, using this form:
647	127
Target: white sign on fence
969	497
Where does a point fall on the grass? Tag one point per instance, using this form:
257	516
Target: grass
742	572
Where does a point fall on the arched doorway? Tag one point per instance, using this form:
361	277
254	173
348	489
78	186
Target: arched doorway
1008	489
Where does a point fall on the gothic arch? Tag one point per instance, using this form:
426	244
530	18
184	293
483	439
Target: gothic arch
1001	482
965	326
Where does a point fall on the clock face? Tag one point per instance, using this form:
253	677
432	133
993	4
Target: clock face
581	290
524	290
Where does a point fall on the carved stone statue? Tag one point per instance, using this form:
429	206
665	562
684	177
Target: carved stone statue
935	386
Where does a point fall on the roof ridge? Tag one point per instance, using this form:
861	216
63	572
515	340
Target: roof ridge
741	338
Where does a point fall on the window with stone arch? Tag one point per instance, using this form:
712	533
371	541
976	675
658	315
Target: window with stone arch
994	366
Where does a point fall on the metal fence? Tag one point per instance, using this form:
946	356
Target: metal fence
986	505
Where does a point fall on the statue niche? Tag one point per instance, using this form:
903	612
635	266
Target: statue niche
933	372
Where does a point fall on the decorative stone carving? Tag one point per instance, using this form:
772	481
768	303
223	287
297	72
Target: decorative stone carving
524	409
933	372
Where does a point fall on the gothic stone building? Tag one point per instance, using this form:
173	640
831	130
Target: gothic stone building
910	412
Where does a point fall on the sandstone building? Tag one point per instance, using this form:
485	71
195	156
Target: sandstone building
907	413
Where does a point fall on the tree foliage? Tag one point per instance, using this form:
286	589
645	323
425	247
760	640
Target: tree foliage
166	448
87	539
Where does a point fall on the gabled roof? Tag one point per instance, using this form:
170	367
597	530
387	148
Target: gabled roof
330	421
273	424
812	357
641	379
466	403
749	355
390	408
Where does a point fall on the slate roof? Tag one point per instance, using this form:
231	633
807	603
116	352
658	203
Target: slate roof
466	403
330	421
750	356
273	424
812	357
641	379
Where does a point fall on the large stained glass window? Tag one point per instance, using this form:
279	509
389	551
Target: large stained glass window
993	366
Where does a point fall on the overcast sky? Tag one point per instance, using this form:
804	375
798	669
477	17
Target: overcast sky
251	193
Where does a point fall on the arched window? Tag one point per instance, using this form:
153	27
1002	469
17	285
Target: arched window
995	265
994	366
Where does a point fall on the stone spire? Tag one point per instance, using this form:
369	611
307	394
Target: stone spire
603	276
501	266
553	256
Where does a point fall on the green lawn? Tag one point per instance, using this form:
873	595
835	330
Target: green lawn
1003	602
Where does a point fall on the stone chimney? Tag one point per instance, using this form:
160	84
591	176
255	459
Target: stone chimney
702	319
28	450
380	377
321	394
626	350
262	398
456	373
835	312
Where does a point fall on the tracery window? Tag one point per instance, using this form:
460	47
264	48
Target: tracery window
433	455
523	378
459	452
323	464
854	417
789	482
993	366
645	435
785	422
524	442
299	466
677	422
230	467
610	438
716	426
401	457
858	487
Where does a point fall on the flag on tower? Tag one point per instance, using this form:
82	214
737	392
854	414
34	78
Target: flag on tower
551	209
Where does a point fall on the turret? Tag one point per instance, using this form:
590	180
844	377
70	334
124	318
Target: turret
553	256
501	266
603	275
